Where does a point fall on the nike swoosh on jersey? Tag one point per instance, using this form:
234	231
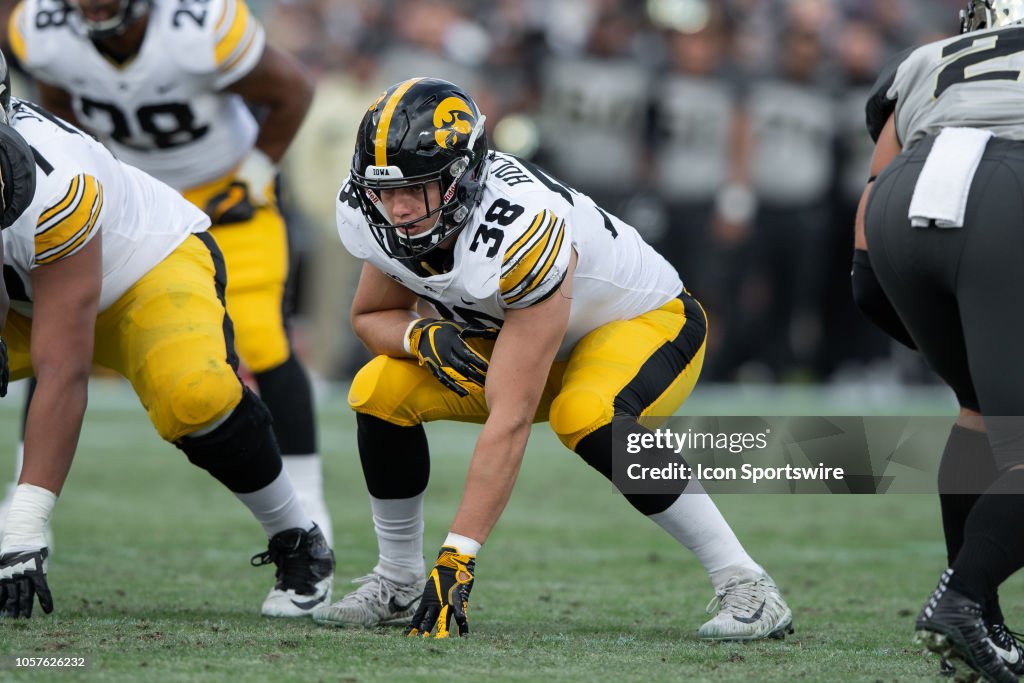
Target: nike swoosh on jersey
753	617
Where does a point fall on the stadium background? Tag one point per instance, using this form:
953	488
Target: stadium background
150	570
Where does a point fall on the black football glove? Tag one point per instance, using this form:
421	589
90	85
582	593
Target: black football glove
22	578
5	369
446	596
442	346
233	205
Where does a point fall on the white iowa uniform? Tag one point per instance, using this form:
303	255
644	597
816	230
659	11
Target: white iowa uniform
967	80
164	110
501	266
82	191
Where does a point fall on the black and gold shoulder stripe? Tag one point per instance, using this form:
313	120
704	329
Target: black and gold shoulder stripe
64	227
529	260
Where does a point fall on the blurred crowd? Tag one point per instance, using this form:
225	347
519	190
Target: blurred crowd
729	132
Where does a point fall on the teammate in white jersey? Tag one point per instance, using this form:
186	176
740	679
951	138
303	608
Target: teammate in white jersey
546	308
98	260
941	217
167	86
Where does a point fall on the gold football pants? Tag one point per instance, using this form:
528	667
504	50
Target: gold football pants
256	253
169	336
644	367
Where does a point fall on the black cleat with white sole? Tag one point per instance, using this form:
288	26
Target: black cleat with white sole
305	570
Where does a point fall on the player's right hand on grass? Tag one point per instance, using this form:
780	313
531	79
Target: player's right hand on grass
5	369
22	580
446	596
442	346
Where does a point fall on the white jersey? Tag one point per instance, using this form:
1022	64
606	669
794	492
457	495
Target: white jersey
82	191
967	80
515	251
165	110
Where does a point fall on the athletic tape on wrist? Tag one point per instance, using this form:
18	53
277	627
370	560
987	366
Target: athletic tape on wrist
464	544
28	518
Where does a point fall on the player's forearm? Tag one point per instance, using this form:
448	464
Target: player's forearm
53	426
492	474
283	119
383	332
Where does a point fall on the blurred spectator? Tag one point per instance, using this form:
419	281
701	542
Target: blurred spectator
776	322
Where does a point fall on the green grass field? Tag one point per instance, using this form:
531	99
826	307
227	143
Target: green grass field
152	582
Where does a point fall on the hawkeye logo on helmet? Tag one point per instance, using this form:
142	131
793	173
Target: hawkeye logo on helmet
452	118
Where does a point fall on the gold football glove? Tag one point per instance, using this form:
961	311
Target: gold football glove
443	346
446	596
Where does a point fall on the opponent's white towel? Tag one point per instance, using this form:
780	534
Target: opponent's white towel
945	181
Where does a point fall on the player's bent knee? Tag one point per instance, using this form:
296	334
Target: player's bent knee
242	432
240	452
380	389
199	398
575	413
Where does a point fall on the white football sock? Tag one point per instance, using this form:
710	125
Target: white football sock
276	506
306	474
694	521
398	523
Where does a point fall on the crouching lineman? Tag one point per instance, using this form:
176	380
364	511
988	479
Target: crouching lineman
106	265
594	324
941	215
168	87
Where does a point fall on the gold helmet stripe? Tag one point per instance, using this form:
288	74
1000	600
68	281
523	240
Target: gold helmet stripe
380	142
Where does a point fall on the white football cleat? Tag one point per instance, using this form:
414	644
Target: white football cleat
376	602
305	570
749	608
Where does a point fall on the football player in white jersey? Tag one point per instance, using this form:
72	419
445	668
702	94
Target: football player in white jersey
941	218
98	258
546	308
167	86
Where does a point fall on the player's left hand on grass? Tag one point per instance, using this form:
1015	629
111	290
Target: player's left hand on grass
5	369
445	597
22	580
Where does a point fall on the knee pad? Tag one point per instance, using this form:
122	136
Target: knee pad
578	412
199	398
241	452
